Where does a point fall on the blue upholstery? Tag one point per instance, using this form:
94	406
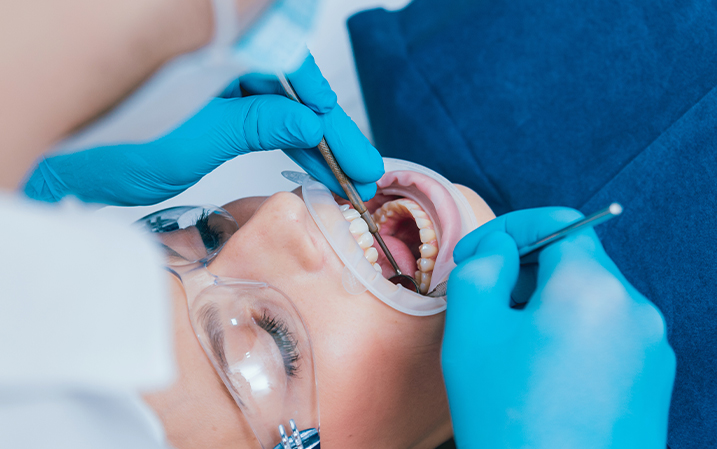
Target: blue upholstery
558	102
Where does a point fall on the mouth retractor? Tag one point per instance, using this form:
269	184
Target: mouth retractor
361	271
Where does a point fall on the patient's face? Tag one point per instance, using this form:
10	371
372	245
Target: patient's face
378	370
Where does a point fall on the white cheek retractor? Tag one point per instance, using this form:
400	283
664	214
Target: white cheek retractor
359	274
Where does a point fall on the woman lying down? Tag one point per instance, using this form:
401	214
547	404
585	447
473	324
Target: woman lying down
292	322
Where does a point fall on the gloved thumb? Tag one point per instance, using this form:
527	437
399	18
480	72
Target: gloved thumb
478	311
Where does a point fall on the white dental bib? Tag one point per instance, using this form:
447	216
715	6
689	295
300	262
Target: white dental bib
359	274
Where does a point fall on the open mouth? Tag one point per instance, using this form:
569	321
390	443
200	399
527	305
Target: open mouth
419	222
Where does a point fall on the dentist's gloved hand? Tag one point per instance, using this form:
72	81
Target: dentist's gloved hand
354	153
231	125
586	364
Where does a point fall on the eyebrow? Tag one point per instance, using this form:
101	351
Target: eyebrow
170	252
208	317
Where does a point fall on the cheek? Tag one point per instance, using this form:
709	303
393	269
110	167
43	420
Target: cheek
376	374
196	407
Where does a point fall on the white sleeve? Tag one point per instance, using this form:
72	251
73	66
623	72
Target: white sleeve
85	323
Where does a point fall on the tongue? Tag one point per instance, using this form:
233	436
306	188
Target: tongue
400	252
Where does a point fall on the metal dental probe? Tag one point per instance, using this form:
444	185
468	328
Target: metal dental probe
353	196
601	216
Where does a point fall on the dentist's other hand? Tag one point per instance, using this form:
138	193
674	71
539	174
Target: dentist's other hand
585	364
231	125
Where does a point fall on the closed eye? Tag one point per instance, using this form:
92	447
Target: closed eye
209	318
285	341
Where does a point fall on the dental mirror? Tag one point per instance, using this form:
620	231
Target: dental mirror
405	281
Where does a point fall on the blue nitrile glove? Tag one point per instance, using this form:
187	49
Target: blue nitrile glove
586	364
231	125
354	153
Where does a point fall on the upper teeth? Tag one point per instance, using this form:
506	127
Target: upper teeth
359	230
398	208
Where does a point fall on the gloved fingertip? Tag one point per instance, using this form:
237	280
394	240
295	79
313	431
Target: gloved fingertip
311	86
496	242
44	184
367	191
495	261
466	247
364	163
233	90
322	101
311	130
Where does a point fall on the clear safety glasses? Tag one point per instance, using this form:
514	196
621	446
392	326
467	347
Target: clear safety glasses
252	332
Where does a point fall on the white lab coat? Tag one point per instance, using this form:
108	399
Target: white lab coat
85	324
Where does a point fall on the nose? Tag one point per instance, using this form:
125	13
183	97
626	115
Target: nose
279	239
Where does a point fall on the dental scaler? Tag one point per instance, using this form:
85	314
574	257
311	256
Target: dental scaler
599	217
353	196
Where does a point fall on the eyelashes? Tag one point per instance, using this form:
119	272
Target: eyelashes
285	341
210	320
211	236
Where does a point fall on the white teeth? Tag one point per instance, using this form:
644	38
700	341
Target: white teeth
399	208
351	214
365	240
423	223
371	254
424	281
408	204
426	265
358	227
404	208
427	235
428	251
417	213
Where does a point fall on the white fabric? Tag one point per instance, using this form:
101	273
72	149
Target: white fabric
85	323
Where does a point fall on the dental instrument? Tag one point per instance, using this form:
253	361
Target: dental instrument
400	180
599	217
353	196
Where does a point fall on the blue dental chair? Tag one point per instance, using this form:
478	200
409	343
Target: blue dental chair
535	103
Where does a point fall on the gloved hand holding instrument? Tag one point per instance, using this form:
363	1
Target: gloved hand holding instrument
252	114
585	363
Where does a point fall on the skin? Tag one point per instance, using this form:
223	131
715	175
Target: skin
378	370
62	63
65	63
